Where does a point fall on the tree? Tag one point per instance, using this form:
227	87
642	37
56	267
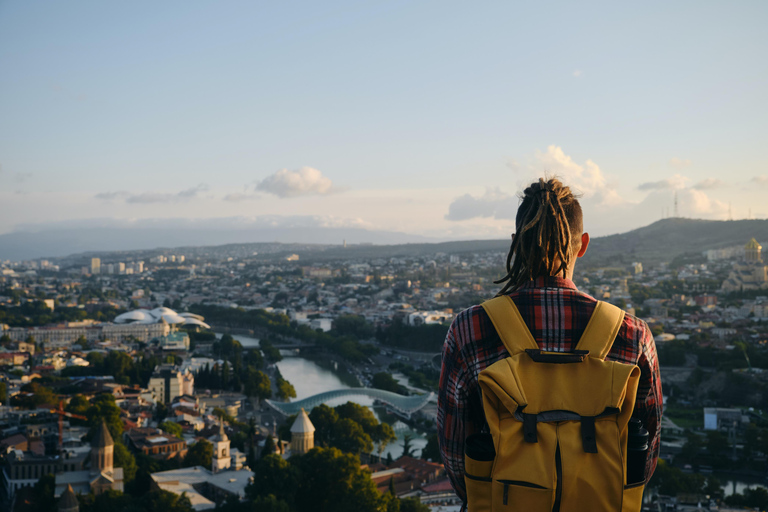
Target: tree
432	450
123	458
349	437
385	381
323	418
407	446
412	505
331	481
268	503
717	445
199	454
172	428
103	407
152	501
273	475
285	389
3	392
33	395
257	384
42	496
78	404
269	447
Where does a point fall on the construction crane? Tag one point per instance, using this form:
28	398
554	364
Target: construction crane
61	412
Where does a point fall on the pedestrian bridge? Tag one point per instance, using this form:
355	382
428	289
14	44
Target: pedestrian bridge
403	405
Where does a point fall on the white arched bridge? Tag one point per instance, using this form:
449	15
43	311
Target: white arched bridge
403	405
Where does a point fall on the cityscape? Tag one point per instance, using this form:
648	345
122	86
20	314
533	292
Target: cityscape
201	372
257	256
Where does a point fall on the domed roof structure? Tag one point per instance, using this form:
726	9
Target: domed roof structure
752	244
160	315
137	315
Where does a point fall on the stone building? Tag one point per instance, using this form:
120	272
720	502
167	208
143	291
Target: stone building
302	434
750	273
221	457
102	475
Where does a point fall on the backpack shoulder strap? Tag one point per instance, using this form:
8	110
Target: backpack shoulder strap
509	324
601	331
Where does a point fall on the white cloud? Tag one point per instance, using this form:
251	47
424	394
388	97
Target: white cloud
302	182
494	203
709	184
577	73
760	180
679	163
153	197
699	203
237	197
676	182
587	180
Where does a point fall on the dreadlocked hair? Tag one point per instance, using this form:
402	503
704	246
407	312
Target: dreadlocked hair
548	223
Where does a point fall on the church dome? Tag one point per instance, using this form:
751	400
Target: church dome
302	425
752	244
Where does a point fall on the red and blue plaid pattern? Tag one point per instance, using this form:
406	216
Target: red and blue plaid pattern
556	313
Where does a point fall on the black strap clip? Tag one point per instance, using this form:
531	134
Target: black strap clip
529	428
588	434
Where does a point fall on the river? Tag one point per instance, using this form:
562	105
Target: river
310	379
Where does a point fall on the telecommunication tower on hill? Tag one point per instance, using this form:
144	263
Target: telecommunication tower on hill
676	211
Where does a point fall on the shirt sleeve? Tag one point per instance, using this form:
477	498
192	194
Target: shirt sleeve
649	404
451	409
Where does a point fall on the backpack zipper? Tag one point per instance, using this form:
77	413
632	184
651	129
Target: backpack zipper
559	483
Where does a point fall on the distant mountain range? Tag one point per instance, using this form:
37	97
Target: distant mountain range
661	241
52	243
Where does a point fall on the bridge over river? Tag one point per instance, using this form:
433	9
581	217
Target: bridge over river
403	405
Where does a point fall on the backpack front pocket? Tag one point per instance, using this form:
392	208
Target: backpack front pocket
478	466
519	495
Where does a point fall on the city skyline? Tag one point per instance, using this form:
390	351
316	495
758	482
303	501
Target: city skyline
425	119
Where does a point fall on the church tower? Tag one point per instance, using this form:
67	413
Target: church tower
102	450
752	251
221	457
302	434
68	501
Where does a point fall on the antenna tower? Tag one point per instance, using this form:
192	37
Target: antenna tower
676	211
730	216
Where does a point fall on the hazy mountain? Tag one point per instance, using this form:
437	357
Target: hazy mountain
661	241
50	243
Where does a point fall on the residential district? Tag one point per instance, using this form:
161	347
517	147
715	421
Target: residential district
160	380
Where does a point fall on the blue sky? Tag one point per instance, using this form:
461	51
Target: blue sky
422	117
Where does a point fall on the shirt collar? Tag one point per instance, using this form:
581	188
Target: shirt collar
549	282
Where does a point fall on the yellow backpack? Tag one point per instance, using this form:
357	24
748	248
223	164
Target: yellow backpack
558	422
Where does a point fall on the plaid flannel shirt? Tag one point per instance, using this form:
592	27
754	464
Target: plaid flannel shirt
556	313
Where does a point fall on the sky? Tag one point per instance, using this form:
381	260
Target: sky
422	117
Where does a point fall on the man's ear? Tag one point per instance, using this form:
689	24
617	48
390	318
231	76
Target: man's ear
584	245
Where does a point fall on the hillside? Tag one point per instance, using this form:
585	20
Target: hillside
667	239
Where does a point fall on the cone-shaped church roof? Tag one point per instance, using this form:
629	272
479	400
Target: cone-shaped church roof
68	499
103	437
222	435
752	244
302	425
